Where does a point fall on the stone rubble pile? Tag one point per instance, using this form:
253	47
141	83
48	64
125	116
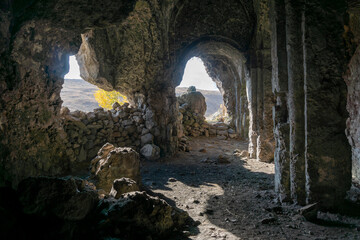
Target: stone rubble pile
192	108
195	125
123	126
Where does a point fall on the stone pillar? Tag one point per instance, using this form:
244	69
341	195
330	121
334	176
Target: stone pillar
243	125
261	75
294	10
265	143
312	156
251	89
327	151
280	90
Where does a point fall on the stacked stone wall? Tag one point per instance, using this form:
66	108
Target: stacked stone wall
123	127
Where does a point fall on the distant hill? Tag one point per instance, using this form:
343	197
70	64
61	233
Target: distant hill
78	94
213	99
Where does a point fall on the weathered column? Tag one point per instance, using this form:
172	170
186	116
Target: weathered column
312	157
327	151
280	90
294	10
261	68
243	113
251	89
265	141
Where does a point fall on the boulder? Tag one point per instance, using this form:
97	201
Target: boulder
150	152
123	185
194	101
114	163
137	215
68	199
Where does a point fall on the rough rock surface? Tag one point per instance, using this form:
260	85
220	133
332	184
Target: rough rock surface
58	208
113	163
123	185
136	215
68	199
353	106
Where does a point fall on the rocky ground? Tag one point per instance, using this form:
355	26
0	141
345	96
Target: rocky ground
232	197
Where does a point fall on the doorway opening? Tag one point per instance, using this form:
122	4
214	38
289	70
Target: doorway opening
195	75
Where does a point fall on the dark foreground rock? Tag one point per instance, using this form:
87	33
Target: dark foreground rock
68	199
137	215
70	208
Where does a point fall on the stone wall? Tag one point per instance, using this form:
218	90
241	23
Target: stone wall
123	126
195	125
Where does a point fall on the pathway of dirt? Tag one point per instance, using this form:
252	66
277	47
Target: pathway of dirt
232	200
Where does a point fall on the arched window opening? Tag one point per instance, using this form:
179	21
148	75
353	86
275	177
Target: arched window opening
195	74
77	94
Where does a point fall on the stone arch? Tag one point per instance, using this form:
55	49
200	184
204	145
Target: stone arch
227	67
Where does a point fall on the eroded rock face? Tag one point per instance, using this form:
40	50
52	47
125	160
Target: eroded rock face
114	163
353	106
138	52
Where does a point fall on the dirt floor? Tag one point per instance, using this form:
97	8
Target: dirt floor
232	200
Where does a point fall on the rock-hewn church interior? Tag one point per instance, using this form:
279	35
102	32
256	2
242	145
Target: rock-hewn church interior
278	159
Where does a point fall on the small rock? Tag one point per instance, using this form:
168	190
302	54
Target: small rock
223	159
147	138
268	220
209	211
115	105
150	152
310	211
221	137
123	185
172	179
203	150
